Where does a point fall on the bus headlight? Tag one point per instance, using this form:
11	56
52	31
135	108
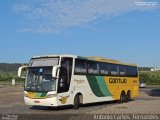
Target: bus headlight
51	95
25	95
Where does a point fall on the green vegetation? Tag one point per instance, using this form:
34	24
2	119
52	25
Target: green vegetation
150	77
8	76
9	72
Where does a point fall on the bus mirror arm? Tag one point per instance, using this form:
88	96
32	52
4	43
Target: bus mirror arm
55	71
20	69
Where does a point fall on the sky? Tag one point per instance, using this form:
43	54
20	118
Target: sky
126	30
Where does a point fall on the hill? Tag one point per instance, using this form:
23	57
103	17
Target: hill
6	67
9	71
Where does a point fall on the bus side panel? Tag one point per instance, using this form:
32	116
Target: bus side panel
98	88
117	87
93	88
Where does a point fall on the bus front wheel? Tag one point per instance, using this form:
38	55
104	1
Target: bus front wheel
76	102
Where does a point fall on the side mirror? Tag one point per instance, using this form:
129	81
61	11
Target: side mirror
55	71
20	69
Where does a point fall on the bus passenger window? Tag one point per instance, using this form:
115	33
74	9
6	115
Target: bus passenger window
93	68
114	71
80	67
122	70
132	71
104	69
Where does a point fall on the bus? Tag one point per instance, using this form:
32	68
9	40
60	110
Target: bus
59	80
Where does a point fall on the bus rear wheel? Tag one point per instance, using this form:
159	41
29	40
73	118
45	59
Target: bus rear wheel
76	102
128	96
122	97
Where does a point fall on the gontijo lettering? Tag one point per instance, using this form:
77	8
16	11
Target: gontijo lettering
117	80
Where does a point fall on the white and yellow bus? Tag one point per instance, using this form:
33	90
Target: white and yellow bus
58	80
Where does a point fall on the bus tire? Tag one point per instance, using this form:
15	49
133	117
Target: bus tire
76	102
50	108
122	97
128	95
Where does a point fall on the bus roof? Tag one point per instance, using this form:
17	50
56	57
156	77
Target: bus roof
100	59
93	58
55	55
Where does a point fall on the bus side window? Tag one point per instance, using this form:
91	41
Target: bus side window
131	71
80	67
104	69
122	71
93	68
114	70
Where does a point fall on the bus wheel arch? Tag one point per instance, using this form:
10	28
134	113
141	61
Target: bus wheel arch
78	99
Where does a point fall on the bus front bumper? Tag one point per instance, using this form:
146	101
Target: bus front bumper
41	102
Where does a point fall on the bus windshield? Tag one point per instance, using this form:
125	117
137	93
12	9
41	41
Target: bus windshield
39	79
